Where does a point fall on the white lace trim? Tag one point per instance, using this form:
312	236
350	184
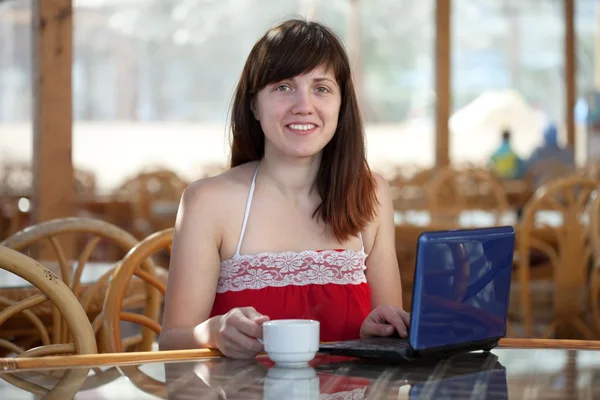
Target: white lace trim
292	269
356	394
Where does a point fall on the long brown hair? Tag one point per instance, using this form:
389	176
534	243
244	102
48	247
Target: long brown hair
344	180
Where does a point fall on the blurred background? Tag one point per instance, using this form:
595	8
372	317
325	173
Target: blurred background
478	113
162	73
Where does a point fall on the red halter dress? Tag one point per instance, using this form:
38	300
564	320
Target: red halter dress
329	286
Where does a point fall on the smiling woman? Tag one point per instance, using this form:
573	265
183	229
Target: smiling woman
299	227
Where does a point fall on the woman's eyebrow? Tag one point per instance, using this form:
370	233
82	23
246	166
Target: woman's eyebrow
325	79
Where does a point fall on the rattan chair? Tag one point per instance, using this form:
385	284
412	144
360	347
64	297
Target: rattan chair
568	251
454	191
595	274
51	288
114	303
91	295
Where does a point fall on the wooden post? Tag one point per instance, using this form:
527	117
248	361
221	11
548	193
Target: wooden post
442	81
53	191
570	71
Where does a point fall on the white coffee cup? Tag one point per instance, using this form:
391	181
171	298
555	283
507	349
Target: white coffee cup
291	342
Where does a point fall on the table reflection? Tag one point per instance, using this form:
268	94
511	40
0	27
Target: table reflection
468	376
501	374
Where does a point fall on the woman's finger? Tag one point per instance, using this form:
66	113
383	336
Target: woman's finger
249	327
234	350
404	315
392	317
230	346
253	315
377	329
246	343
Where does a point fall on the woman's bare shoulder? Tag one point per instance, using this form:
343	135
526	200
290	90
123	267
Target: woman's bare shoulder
383	207
382	190
227	188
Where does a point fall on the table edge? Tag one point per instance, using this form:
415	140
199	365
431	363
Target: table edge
115	359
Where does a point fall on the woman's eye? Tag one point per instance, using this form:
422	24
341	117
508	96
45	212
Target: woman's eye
283	88
322	89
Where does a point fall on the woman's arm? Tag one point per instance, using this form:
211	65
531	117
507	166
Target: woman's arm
383	276
193	271
383	273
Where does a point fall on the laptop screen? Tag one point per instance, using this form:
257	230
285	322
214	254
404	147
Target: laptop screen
462	285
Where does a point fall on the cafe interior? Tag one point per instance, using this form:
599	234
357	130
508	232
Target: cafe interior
95	155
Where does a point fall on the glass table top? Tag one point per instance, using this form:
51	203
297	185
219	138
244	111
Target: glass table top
501	374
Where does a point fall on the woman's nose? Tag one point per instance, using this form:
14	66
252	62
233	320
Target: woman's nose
303	103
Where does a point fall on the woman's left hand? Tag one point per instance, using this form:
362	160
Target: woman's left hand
385	320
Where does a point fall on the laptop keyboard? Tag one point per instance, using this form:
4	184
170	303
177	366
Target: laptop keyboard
372	344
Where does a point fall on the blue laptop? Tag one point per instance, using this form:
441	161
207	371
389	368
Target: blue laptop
460	297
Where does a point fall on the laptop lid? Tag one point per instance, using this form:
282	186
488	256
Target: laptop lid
462	287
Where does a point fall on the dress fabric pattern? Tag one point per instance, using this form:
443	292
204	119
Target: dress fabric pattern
342	267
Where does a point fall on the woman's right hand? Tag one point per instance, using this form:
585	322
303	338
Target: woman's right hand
238	331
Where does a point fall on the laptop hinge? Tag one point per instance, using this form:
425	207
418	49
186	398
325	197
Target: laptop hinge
444	351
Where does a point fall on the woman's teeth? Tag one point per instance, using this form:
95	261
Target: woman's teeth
301	127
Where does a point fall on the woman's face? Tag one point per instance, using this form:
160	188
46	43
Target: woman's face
299	115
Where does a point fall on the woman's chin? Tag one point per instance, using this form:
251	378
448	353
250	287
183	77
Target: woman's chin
305	154
302	152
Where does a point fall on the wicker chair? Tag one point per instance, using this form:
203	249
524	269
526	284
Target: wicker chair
90	295
595	275
131	266
453	191
49	287
568	252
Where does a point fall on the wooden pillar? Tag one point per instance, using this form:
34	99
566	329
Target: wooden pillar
570	71
53	192
443	104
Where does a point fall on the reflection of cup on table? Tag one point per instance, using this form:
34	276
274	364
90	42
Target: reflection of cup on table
291	342
291	383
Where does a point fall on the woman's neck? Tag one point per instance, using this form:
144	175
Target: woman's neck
292	177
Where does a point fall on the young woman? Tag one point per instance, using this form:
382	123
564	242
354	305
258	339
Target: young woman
299	227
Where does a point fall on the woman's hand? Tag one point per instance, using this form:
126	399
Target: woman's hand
238	331
385	320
